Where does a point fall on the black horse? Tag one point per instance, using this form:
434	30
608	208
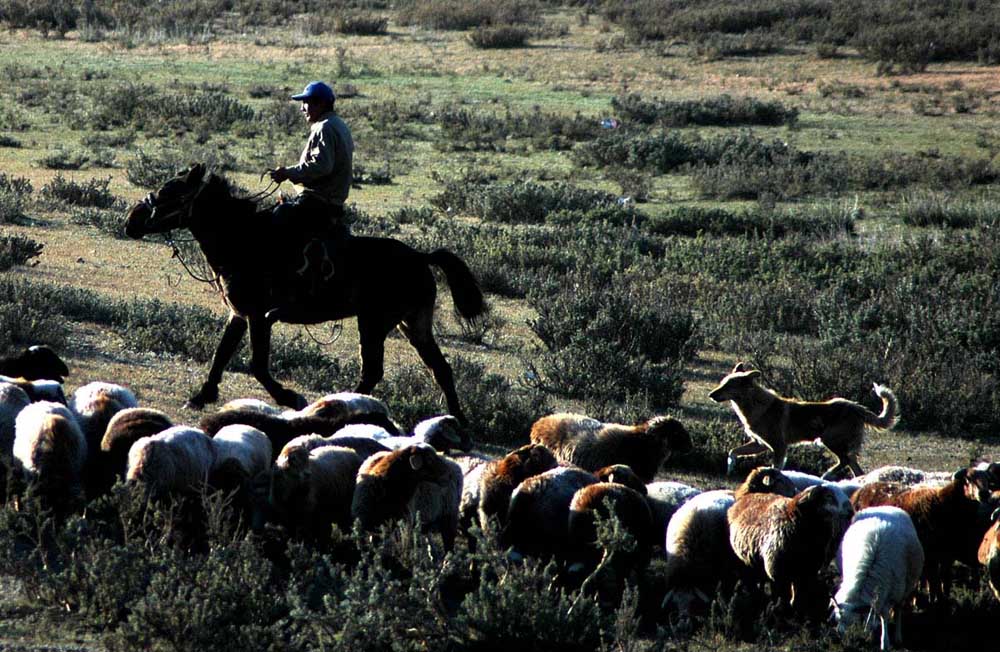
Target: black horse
382	281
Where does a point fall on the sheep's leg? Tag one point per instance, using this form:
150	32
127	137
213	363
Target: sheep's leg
419	332
749	449
236	328
260	359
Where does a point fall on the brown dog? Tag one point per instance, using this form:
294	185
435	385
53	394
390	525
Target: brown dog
773	422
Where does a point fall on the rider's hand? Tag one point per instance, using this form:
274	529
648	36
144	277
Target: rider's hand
279	174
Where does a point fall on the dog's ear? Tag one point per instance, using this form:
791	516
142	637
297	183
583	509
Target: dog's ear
741	367
960	475
753	373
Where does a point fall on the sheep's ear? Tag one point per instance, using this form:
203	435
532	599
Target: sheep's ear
416	461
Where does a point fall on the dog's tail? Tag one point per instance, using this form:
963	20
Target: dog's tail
890	410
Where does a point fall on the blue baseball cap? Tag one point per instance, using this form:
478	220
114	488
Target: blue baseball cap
316	90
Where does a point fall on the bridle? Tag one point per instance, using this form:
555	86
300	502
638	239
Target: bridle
175	209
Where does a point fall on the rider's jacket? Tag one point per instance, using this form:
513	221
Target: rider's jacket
325	167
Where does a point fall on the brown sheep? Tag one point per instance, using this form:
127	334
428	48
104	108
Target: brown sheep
407	482
617	564
51	448
590	444
989	555
787	540
951	521
698	554
500	477
126	428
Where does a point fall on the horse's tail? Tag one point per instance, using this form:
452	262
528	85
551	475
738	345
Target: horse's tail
465	290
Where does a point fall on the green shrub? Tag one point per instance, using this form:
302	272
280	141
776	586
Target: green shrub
107	220
940	209
90	193
17	250
363	24
609	340
462	15
62	159
499	37
14	195
9	141
519	202
463	129
723	110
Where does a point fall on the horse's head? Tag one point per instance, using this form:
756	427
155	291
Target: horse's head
171	206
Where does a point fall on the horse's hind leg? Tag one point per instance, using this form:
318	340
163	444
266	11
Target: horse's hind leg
236	328
260	361
418	329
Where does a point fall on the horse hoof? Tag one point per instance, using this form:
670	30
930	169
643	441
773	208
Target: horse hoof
193	404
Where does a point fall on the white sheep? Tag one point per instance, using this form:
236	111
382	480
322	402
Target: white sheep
442	433
95	403
50	446
880	561
698	554
13	399
904	475
341	406
39	390
176	461
254	404
665	498
248	447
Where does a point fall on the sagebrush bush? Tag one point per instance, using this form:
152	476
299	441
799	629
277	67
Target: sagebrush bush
462	15
499	37
608	339
519	202
90	193
723	110
928	208
17	250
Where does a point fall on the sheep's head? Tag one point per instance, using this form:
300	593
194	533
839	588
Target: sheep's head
975	484
736	385
672	434
532	459
291	474
425	462
767	480
43	364
150	465
819	502
624	475
443	433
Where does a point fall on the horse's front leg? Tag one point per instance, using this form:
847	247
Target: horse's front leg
236	328
260	364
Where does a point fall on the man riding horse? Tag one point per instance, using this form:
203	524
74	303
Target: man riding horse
306	224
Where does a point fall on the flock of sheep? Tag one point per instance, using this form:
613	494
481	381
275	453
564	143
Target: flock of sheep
342	460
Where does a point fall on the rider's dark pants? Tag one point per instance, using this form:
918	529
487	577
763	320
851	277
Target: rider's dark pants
300	219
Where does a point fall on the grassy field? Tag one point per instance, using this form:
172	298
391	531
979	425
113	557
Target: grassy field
854	242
